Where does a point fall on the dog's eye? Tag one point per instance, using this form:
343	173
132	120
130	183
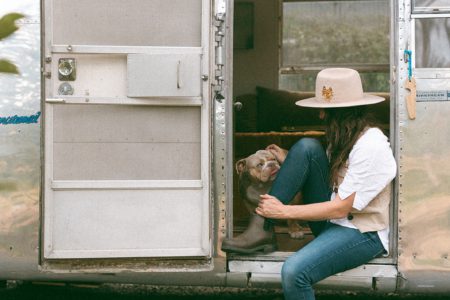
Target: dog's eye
259	165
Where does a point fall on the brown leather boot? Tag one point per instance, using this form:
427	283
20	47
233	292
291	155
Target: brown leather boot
253	239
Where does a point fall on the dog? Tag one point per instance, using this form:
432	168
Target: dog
256	175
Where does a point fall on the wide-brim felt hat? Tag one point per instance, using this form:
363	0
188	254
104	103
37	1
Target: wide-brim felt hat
339	87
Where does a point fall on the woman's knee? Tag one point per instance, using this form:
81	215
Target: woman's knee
306	145
295	272
288	272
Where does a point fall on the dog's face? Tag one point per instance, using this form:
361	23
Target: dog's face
262	167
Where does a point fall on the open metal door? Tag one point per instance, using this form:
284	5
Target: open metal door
424	145
127	129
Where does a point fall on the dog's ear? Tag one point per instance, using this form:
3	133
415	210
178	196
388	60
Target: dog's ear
240	165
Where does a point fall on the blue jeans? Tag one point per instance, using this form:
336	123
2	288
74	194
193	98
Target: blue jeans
335	248
305	169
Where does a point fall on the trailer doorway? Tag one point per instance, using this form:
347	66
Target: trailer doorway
279	47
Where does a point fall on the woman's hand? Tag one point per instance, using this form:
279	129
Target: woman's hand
270	207
279	153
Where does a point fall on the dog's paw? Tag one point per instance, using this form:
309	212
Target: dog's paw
295	230
298	235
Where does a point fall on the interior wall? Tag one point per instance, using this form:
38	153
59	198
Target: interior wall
259	65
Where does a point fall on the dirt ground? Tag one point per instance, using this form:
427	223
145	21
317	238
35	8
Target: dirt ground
28	292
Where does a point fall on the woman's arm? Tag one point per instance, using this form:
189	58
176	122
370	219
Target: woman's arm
270	207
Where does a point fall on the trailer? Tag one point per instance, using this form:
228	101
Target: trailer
119	137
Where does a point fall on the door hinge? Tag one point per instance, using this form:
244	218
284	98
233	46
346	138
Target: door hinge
219	25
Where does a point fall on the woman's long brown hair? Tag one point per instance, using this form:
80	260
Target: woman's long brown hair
343	128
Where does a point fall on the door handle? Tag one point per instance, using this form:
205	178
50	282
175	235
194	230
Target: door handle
55	100
178	74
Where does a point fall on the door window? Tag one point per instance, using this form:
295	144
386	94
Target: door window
432	42
318	35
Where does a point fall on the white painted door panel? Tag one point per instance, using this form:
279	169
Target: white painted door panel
124	223
127	23
163	75
127	156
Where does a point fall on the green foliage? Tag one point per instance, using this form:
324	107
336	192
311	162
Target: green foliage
8	24
7	27
8	67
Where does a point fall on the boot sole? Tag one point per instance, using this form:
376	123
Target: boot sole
262	248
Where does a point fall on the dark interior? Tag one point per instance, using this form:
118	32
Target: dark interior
275	64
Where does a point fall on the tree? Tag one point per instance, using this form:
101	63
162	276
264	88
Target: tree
7	27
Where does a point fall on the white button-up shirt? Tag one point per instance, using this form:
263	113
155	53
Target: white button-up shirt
371	166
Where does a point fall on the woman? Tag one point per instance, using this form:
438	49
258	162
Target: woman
345	191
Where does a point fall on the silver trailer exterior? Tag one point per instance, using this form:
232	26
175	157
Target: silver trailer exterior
423	27
20	145
127	177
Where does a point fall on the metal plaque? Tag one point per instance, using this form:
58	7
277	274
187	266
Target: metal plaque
424	96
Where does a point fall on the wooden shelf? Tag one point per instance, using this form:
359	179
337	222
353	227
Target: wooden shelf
280	134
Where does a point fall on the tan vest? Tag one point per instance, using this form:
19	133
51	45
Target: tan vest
375	216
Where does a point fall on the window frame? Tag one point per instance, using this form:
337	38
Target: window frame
425	72
428	10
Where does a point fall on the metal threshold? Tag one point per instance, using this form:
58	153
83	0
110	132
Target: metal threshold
263	270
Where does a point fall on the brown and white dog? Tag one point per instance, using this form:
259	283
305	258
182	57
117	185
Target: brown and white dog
256	175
